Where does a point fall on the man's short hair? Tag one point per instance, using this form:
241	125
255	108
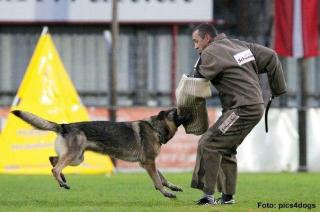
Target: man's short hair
205	28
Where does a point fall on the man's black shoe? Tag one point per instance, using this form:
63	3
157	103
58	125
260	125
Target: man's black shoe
205	201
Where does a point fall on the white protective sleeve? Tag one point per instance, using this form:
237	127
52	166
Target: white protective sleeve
191	95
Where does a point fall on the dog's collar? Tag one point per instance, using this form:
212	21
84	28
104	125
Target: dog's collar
162	138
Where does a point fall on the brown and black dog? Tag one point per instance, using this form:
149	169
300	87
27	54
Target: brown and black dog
136	141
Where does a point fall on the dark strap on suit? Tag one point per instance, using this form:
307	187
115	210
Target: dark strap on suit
266	113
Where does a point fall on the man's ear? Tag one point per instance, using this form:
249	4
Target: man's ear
207	37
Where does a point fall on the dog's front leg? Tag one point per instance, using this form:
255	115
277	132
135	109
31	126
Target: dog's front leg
152	171
166	183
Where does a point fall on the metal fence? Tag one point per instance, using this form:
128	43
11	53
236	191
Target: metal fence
144	69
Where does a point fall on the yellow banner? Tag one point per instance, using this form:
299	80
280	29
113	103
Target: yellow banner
47	91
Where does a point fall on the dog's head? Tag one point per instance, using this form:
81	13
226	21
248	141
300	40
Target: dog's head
167	123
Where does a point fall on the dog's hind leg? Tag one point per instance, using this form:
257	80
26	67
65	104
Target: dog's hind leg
54	160
75	145
166	183
63	162
152	171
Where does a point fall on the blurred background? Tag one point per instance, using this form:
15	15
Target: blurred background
146	64
154	50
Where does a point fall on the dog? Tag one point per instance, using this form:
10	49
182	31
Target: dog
136	141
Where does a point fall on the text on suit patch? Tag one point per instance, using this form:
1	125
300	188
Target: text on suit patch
226	124
244	57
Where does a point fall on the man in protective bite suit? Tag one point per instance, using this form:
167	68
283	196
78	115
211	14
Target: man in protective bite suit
232	66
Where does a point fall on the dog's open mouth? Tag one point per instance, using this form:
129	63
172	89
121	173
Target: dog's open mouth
183	119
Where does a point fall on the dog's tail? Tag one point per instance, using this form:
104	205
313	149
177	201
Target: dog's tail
37	122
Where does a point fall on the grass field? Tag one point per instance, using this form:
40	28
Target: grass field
135	192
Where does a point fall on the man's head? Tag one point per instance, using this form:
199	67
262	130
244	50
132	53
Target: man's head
202	35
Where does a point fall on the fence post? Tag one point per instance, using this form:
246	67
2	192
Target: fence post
302	116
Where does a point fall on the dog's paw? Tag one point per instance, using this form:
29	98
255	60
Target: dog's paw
169	195
63	185
173	187
176	188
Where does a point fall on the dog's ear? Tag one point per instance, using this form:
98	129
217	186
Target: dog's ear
161	115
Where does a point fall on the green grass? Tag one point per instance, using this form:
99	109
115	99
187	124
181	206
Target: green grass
135	192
